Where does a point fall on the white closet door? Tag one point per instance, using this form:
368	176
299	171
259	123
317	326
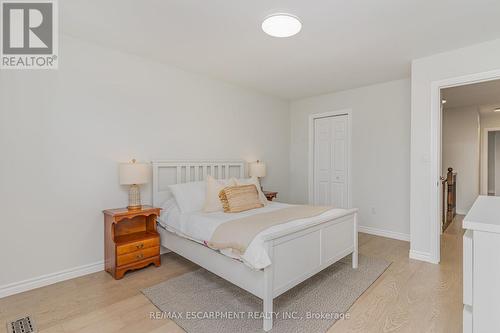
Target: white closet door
330	161
322	161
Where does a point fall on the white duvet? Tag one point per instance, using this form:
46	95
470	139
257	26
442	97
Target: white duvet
199	226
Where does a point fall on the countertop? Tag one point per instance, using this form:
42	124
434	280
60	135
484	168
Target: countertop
484	215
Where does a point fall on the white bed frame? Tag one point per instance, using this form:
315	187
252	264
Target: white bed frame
295	254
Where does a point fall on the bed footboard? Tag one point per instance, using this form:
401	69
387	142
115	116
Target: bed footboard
295	254
299	255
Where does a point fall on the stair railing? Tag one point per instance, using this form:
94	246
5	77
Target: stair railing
449	198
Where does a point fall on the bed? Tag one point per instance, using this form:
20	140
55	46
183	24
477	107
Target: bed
277	259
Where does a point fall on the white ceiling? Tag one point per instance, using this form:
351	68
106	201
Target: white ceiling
485	95
343	43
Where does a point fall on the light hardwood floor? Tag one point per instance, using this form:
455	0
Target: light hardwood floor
411	296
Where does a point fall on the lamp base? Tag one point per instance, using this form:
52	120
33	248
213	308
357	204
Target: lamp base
134	198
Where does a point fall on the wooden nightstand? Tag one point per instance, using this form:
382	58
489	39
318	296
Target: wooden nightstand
270	195
130	239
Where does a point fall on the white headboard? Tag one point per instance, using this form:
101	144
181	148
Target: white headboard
174	172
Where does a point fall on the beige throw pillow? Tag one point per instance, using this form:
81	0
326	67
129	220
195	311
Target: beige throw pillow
214	186
236	199
253	181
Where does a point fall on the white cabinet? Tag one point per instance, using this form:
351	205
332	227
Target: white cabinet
467	269
481	266
467	315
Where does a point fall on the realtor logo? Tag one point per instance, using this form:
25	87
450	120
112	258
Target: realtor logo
29	34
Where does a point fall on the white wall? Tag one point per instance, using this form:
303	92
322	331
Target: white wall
488	121
460	150
492	149
497	163
380	151
474	59
63	132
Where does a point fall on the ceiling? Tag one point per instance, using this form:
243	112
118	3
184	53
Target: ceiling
343	43
485	95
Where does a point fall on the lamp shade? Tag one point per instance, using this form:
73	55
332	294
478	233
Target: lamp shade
257	169
134	173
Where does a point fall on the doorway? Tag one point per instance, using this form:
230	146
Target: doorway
329	159
479	91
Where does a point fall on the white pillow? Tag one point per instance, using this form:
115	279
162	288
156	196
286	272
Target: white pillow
214	186
190	197
254	181
167	207
169	215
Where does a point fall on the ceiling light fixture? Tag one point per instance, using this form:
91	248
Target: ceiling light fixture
281	25
496	110
443	101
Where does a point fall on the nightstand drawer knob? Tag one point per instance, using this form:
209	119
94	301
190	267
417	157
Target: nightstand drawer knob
140	246
140	256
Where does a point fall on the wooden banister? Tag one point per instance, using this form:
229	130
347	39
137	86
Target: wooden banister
449	197
444	208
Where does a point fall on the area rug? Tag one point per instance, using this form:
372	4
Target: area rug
200	301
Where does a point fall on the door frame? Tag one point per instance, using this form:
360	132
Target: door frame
483	188
312	117
435	149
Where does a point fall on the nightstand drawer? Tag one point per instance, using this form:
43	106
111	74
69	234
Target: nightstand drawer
137	256
136	246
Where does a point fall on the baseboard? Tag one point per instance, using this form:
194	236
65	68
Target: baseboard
422	256
45	280
384	233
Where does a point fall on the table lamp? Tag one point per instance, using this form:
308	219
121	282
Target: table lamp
134	174
257	169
